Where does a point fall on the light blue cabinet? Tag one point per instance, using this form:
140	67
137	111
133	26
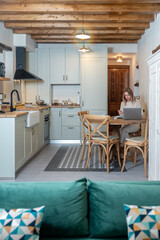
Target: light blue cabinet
94	84
70	124
55	124
43	73
65	124
64	66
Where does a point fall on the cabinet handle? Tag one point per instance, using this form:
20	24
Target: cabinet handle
66	78
70	127
33	131
70	115
63	77
59	113
82	103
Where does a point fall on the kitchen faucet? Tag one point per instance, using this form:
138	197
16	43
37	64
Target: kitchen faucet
14	108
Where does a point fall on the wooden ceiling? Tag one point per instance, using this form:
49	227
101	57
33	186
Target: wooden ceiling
57	21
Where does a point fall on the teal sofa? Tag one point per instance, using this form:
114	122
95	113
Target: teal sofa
81	209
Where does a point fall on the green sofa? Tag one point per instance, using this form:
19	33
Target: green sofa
81	209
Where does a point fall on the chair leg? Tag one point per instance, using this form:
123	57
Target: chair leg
89	153
107	155
125	156
135	157
83	147
145	161
101	154
118	151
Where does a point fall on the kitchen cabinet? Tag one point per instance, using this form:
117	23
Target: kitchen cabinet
43	73
12	145
19	142
70	124
64	66
94	84
65	124
55	123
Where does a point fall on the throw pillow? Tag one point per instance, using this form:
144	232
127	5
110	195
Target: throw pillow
143	222
20	223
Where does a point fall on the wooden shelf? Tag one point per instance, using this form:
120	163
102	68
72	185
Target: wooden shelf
4	79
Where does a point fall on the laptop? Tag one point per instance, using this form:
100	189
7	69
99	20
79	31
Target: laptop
132	113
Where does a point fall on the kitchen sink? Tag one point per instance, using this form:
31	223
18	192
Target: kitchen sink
32	118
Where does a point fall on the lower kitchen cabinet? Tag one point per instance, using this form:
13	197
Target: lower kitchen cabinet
20	123
65	124
55	123
12	144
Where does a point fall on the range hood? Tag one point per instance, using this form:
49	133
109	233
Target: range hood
21	72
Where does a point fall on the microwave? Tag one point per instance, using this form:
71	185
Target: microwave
2	69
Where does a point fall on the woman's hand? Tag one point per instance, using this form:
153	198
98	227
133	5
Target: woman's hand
120	112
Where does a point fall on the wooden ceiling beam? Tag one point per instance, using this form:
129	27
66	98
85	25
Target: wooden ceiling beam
95	41
70	31
78	8
80	1
77	18
20	25
92	37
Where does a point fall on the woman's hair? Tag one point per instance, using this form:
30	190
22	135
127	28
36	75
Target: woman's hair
129	91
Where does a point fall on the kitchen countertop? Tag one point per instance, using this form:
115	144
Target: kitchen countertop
12	114
74	105
19	111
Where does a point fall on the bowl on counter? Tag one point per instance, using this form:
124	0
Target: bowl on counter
55	102
40	102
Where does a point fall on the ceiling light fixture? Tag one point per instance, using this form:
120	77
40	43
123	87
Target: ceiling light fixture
83	49
82	35
119	59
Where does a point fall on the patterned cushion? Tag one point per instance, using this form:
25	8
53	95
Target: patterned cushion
143	222
20	223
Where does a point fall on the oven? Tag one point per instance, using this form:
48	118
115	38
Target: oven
46	127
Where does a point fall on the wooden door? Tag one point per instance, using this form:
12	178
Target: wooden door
118	80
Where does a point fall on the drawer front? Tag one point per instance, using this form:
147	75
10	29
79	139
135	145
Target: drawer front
70	120
70	133
70	110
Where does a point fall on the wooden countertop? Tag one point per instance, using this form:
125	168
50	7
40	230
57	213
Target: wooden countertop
12	114
35	108
74	105
19	111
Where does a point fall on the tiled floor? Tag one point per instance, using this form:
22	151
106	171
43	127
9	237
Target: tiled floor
34	171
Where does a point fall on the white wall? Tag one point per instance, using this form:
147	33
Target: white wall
149	41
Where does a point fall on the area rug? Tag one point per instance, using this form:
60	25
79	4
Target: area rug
67	158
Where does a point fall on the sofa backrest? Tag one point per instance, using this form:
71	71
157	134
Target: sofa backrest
66	205
106	199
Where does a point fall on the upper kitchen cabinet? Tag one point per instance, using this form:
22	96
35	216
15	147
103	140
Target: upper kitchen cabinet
94	85
43	73
64	66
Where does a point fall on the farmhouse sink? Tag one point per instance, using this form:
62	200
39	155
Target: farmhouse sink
32	118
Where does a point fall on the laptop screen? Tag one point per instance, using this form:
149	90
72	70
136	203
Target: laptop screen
132	113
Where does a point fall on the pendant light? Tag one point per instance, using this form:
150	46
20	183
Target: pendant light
83	49
83	35
119	59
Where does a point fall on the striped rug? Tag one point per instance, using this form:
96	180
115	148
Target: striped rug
67	158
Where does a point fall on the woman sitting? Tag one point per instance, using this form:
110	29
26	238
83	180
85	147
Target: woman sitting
129	101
